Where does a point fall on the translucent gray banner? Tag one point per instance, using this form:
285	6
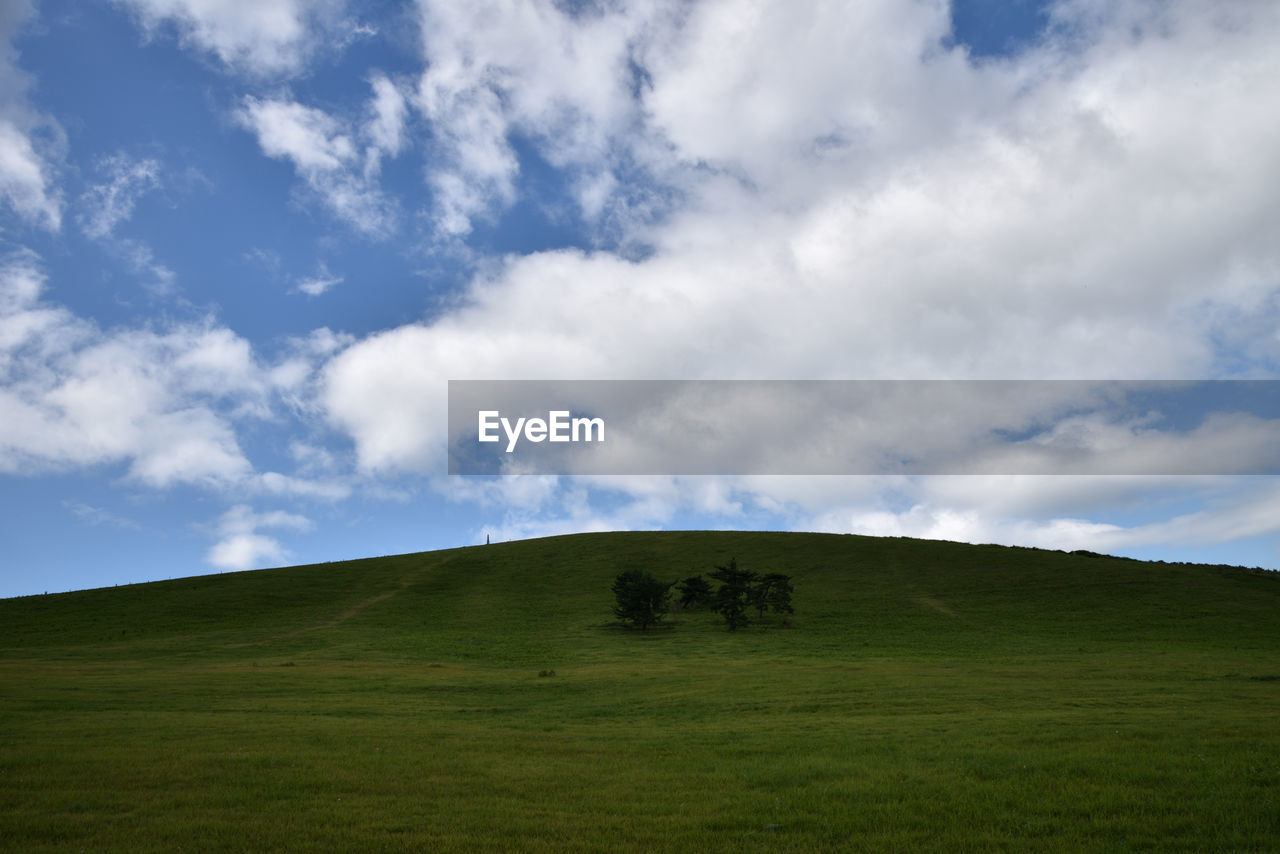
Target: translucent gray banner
863	427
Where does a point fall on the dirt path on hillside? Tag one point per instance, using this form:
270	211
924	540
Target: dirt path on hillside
943	608
354	611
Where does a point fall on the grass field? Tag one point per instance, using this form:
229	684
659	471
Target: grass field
926	696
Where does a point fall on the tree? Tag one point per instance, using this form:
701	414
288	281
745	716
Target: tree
694	591
642	600
772	591
731	599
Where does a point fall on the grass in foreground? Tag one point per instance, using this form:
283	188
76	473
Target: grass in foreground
929	696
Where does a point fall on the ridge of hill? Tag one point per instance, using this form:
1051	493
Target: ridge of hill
925	695
868	591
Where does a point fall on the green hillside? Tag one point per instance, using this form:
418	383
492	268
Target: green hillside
925	696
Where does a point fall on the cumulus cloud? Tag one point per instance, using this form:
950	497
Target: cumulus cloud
261	37
78	397
240	546
309	137
834	193
164	403
28	140
1092	208
841	86
563	79
1073	225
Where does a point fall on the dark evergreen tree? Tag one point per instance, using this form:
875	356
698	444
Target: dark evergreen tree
642	600
694	591
772	592
731	598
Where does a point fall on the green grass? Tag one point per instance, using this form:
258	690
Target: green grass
926	696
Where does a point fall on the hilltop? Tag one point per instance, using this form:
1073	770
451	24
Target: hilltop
887	594
925	695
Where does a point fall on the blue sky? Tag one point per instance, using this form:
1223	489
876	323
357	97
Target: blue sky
244	246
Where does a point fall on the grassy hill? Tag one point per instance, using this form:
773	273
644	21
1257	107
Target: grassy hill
926	696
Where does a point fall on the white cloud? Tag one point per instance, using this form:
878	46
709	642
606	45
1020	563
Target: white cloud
107	205
164	403
312	457
1051	513
246	551
26	181
483	175
141	260
133	397
323	280
385	125
841	83
28	140
843	196
992	510
1098	207
1057	228
296	376
241	546
326	155
564	80
309	137
1247	512
258	36
546	506
27	325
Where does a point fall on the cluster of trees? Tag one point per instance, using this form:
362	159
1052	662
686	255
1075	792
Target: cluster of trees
643	600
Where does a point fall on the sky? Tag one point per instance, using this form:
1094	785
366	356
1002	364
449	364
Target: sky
246	244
